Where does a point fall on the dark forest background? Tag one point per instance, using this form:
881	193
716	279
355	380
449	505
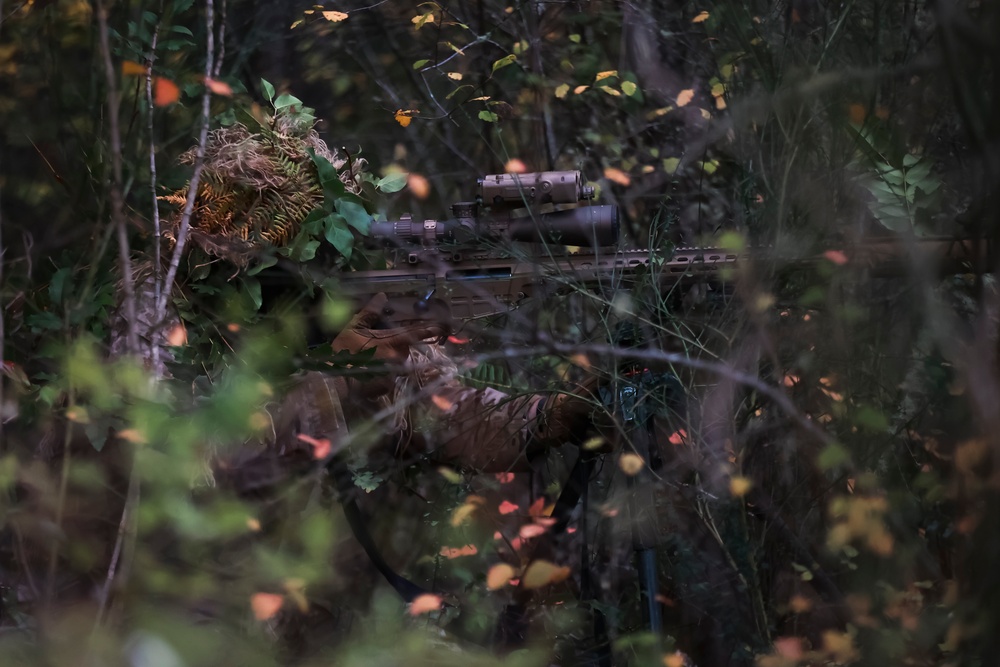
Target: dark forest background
832	495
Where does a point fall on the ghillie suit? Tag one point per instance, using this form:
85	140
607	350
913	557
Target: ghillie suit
259	184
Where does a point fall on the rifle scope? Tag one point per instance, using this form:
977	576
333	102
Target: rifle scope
580	226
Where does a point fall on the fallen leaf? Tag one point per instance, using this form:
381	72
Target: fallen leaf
265	605
631	463
507	507
499	576
685	97
425	603
542	573
165	91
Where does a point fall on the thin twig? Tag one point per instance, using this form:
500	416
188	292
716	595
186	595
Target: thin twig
221	40
199	164
117	196
126	528
157	231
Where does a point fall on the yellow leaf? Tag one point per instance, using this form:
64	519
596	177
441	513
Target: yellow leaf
265	605
593	443
450	475
455	76
562	90
685	97
420	19
130	68
253	524
720	103
480	99
629	88
542	573
670	164
701	18
425	603
739	486
617	176
405	117
656	113
705	113
499	575
296	588
165	92
462	514
611	91
631	463
335	17
605	75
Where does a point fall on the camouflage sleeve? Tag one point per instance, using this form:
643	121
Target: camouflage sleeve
482	429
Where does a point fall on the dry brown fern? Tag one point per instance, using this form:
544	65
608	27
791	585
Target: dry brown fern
257	187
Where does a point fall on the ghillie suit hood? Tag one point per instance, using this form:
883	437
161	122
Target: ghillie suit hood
259	184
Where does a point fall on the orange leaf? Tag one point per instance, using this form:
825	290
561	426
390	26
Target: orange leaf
836	256
265	605
405	117
856	113
542	573
130	68
617	176
505	477
530	530
515	166
425	603
419	185
678	437
177	335
685	97
442	403
219	87
132	435
321	446
537	507
739	486
506	507
788	647
499	575
335	17
165	92
703	16
456	552
790	380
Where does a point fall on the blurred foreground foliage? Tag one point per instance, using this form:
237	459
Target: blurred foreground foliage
855	521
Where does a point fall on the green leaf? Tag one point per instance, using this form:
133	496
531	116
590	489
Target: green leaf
392	183
629	88
314	223
420	63
488	116
265	262
503	62
268	89
252	286
355	215
338	235
333	187
57	285
833	455
285	100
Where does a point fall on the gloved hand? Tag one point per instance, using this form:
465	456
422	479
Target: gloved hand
389	344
